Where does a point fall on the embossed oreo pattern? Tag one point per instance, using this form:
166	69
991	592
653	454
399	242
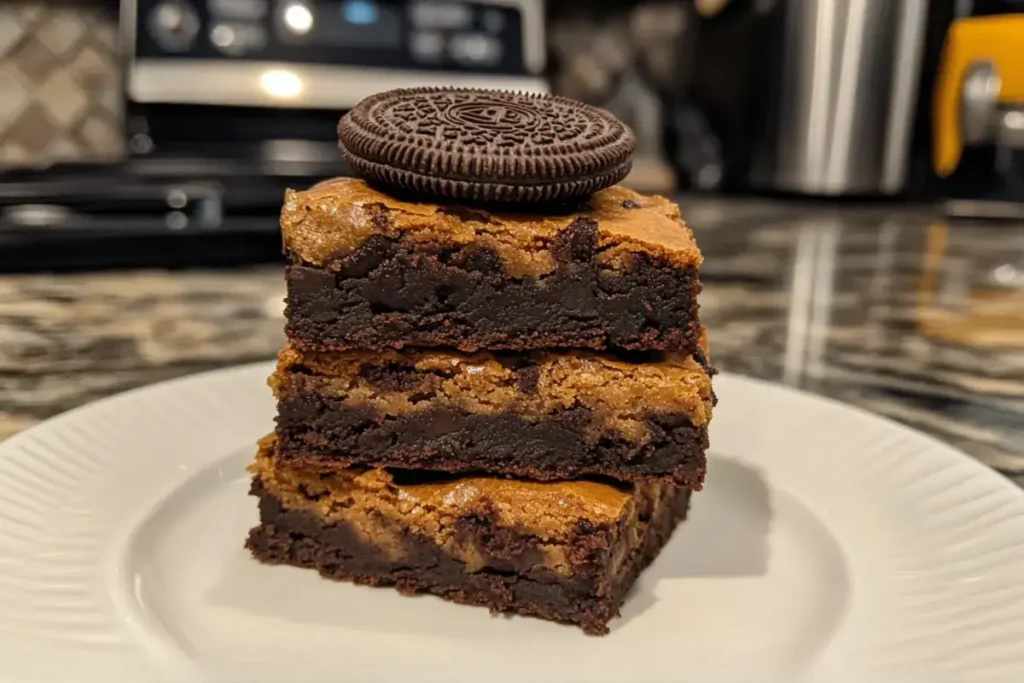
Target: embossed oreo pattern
485	146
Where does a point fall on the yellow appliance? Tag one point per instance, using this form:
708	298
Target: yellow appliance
978	113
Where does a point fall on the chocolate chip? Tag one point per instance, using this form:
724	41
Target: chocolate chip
379	216
391	377
527	379
631	204
367	258
305	491
481	260
578	242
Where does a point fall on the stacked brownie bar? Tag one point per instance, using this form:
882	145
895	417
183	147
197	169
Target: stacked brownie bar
494	393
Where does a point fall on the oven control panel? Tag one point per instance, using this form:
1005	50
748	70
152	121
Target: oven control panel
254	52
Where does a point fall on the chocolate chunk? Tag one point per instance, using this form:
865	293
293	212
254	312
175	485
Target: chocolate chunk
367	258
392	377
380	216
577	242
480	260
528	378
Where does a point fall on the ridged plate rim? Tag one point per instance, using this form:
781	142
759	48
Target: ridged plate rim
947	533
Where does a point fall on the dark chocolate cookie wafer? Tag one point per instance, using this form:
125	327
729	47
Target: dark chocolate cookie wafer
485	146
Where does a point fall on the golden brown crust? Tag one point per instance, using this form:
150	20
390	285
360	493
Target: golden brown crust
336	217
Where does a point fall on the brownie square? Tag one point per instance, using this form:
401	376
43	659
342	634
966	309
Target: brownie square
538	415
368	271
563	551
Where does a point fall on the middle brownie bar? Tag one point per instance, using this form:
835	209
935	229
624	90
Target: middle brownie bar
537	415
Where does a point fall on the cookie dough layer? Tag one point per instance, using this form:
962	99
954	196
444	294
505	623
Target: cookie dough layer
368	271
563	551
539	415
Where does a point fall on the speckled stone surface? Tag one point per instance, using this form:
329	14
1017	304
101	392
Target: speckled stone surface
890	310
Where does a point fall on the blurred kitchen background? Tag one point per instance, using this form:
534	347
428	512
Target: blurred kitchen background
162	132
853	171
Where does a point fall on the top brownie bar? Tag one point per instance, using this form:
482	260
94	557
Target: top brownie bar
369	271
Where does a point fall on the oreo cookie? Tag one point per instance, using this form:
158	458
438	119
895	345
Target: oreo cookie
485	146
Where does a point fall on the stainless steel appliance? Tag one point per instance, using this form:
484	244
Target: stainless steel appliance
849	86
217	75
814	97
325	53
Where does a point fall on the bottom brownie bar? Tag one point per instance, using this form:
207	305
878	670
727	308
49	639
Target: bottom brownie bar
564	551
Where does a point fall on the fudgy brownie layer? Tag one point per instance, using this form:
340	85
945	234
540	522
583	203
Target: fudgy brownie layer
508	580
320	429
368	271
399	299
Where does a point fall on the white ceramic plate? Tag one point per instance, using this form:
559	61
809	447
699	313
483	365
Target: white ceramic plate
828	545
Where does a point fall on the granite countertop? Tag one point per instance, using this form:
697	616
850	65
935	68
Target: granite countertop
889	309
